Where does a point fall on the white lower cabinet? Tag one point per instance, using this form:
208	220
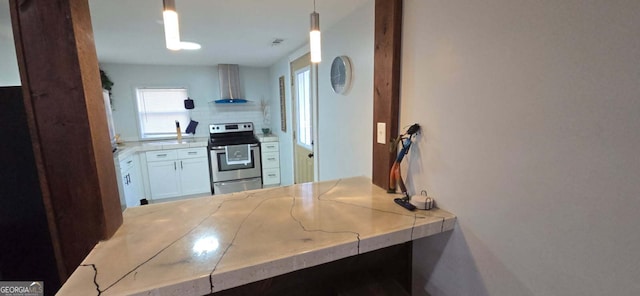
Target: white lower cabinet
194	176
163	179
131	181
178	172
270	154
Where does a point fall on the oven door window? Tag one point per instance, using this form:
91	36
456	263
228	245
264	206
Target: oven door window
223	166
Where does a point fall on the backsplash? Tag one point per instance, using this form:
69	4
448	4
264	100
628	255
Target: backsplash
213	113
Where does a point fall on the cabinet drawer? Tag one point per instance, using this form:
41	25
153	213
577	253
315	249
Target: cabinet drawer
270	159
126	164
270	146
271	176
192	153
161	155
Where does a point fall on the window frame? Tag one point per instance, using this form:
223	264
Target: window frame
309	103
139	118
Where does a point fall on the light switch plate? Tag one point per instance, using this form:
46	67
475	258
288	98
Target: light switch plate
382	133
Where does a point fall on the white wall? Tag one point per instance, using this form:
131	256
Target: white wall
531	137
345	129
202	84
9	75
281	68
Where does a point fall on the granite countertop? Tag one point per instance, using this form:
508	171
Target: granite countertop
204	245
128	148
267	138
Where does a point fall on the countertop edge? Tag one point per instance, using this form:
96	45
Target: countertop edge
130	148
272	268
223	274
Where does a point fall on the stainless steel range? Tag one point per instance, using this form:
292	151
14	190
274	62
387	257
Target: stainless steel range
234	157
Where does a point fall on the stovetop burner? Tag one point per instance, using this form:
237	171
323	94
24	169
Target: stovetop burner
225	134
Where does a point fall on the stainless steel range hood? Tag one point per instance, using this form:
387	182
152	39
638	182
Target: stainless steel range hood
230	87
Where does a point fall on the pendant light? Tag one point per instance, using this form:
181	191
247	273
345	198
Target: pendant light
314	36
171	28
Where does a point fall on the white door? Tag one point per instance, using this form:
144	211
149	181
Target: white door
194	176
302	88
164	179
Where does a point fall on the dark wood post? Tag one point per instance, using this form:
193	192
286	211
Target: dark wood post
386	84
67	122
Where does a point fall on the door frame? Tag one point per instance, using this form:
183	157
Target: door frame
314	112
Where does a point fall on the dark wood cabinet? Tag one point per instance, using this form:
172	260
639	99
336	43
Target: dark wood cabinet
381	272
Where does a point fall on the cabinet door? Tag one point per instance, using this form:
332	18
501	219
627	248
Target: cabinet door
194	176
130	196
163	179
135	182
127	166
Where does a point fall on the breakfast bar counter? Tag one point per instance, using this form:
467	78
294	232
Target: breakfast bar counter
205	245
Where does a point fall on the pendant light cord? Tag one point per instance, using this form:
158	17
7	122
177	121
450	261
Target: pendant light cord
314	5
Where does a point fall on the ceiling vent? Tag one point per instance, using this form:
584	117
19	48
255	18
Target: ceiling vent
277	41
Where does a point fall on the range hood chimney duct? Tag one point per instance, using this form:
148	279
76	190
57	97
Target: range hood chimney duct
229	77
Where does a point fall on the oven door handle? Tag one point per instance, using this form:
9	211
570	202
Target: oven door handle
235	182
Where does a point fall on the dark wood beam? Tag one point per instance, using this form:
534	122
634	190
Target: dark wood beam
67	122
386	84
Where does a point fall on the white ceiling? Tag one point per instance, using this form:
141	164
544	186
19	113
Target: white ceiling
230	31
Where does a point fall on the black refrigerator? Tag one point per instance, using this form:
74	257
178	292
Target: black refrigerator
26	252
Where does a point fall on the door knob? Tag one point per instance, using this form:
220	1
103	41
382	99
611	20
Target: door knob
310	155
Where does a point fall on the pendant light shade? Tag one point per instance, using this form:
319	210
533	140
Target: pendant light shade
171	28
314	37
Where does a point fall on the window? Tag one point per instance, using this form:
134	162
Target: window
158	110
303	88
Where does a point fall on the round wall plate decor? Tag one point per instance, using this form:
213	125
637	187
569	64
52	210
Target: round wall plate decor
341	74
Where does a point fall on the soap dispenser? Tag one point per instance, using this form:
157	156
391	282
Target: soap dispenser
178	131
